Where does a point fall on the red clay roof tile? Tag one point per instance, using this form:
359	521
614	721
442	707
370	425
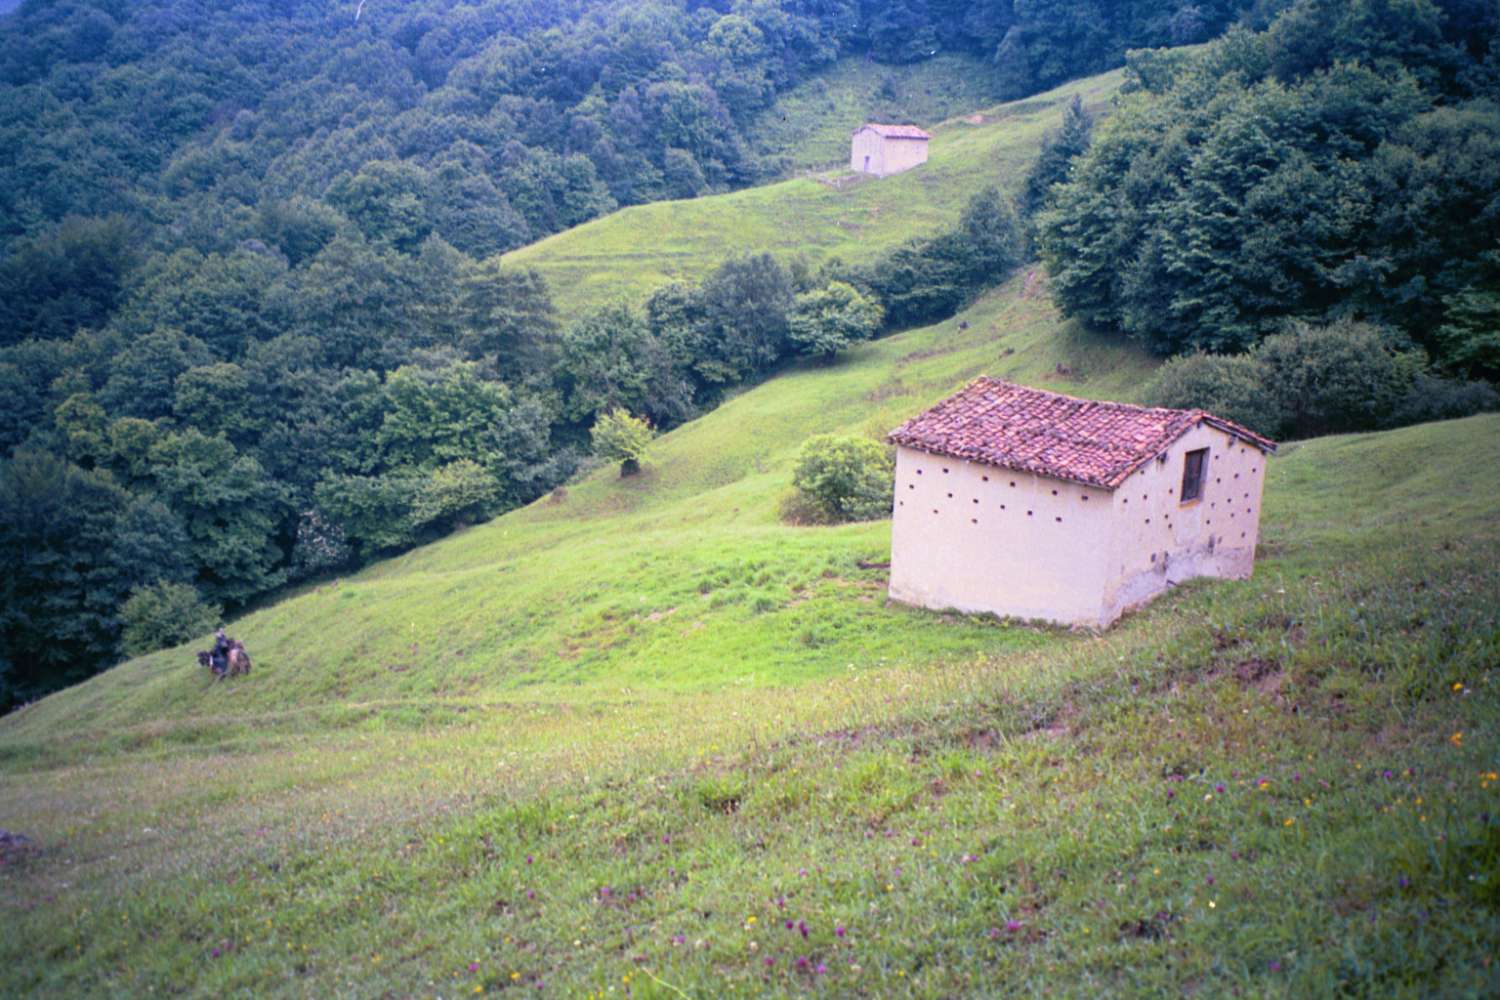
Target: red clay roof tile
1047	433
895	131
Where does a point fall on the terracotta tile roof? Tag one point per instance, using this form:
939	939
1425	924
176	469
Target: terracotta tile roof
1030	430
895	131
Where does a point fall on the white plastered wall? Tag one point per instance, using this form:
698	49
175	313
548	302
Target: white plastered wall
886	156
867	143
1160	541
979	538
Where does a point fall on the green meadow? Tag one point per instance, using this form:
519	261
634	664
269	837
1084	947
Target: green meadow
822	215
640	739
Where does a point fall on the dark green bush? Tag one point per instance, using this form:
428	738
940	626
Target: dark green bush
1231	386
164	614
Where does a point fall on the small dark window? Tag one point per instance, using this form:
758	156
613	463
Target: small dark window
1192	474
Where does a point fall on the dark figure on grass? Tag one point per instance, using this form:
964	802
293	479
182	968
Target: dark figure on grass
228	657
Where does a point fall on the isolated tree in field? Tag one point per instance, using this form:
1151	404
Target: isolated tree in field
826	321
841	478
622	438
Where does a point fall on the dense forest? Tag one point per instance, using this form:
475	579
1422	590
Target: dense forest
1337	171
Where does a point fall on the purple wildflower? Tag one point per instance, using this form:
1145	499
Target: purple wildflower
822	969
802	927
1275	965
1219	788
838	931
1013	925
473	966
790	925
528	859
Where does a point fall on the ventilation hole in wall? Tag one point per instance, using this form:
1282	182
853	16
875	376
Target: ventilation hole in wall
1153	557
1169	491
1143	496
1242	534
1231	517
1209	521
911	486
950	496
945	472
1028	513
1127	499
1013	482
1218	480
919	472
1054	493
976	499
934	510
1247	496
985	478
1148	520
1085	497
901	503
1002	506
1254	470
973	520
1058	520
1236	475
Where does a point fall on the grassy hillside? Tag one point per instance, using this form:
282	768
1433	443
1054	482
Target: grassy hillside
641	740
810	124
679	578
629	253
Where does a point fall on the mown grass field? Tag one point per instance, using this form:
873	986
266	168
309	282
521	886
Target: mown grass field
627	254
642	740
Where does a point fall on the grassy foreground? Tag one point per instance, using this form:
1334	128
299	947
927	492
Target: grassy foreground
643	741
825	215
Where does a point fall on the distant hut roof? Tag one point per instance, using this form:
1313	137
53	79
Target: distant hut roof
895	131
1063	437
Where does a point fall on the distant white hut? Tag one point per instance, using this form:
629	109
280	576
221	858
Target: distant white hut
883	150
1032	504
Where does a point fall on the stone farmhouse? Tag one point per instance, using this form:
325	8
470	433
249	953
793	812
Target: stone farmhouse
1035	505
883	150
